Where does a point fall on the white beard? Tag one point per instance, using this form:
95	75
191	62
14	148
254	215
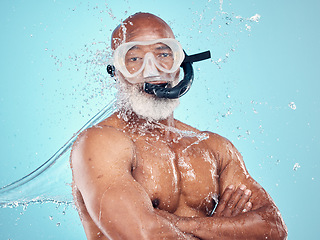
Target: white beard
130	97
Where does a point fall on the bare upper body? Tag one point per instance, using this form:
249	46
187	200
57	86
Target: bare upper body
139	179
122	174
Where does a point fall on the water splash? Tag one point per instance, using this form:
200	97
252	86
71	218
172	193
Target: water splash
221	3
255	18
292	105
50	181
200	137
185	133
296	166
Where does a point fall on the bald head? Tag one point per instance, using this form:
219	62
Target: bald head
140	27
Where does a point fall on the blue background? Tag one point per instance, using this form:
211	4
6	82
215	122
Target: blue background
53	80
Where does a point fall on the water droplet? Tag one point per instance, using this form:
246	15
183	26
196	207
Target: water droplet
51	218
255	18
292	105
296	166
58	224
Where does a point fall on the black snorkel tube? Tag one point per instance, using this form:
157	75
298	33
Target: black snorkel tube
162	91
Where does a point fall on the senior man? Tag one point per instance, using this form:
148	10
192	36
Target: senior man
141	174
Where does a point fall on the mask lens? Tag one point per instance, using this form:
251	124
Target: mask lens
164	56
134	59
148	58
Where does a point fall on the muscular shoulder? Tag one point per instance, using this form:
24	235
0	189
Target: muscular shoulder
102	145
217	142
223	149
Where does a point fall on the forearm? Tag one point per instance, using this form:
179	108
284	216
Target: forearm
157	229
126	220
259	224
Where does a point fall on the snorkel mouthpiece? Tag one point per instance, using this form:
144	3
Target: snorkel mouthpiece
162	91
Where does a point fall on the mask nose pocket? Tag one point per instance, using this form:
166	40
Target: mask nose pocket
150	69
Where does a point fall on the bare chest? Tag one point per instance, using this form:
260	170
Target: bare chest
179	177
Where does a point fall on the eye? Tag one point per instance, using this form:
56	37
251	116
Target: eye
134	59
164	55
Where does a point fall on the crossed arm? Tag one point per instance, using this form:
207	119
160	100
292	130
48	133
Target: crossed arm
233	219
121	208
243	212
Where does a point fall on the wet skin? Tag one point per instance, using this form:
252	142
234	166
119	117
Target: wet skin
133	180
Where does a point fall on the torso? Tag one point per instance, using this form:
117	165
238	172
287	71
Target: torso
178	178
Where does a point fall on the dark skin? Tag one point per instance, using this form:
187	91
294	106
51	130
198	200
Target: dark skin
133	180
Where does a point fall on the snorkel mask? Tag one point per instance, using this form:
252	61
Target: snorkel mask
156	61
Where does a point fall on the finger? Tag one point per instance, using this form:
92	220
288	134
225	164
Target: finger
247	207
224	199
233	201
242	203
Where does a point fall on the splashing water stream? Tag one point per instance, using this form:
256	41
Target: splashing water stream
38	187
185	133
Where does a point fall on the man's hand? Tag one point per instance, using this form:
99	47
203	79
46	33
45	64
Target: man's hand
234	201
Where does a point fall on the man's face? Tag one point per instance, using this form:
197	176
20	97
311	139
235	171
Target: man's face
131	95
147	63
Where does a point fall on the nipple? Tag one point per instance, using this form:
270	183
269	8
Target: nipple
155	203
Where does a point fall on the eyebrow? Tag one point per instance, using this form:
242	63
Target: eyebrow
163	46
